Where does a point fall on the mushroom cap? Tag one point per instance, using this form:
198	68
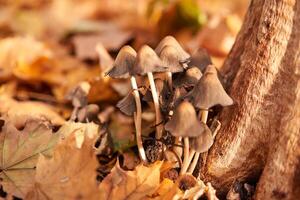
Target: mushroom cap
184	122
127	104
201	59
202	142
147	61
209	91
171	41
189	78
171	58
124	63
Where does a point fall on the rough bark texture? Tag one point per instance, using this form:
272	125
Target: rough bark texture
260	134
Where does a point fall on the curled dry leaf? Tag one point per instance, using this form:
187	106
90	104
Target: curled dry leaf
29	110
137	184
19	151
80	131
69	174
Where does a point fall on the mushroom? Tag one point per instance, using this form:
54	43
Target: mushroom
148	62
122	68
88	113
199	145
173	56
207	93
200	58
78	96
184	124
127	104
189	78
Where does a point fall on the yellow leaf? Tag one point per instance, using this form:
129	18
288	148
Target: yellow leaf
69	174
131	185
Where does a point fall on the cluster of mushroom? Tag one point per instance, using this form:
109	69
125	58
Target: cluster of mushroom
184	92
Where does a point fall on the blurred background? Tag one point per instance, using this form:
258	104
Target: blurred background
47	47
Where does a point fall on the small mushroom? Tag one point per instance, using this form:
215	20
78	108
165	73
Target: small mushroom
184	124
171	41
78	96
127	104
201	59
122	68
148	62
207	93
173	56
200	144
189	78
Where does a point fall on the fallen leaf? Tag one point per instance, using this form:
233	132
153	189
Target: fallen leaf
80	131
137	184
16	53
69	174
30	110
19	151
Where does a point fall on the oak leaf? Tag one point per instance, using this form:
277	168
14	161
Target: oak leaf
19	151
69	174
131	185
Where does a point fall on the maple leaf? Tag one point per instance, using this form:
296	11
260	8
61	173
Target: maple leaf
19	151
69	174
137	184
80	130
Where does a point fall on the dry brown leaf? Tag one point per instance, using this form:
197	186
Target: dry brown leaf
137	184
19	151
20	112
80	131
17	53
69	174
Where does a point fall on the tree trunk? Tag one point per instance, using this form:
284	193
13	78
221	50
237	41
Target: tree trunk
260	134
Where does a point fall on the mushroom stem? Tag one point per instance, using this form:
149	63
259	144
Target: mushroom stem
186	162
177	149
158	117
138	120
203	118
169	79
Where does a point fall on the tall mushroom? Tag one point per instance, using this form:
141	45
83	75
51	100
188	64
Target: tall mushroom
207	93
173	55
184	124
147	62
122	68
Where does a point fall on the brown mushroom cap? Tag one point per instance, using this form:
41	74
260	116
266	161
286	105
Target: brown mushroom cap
201	59
184	122
147	61
171	41
127	104
209	91
171	58
123	63
202	142
189	78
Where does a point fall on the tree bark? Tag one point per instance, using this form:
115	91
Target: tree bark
260	133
